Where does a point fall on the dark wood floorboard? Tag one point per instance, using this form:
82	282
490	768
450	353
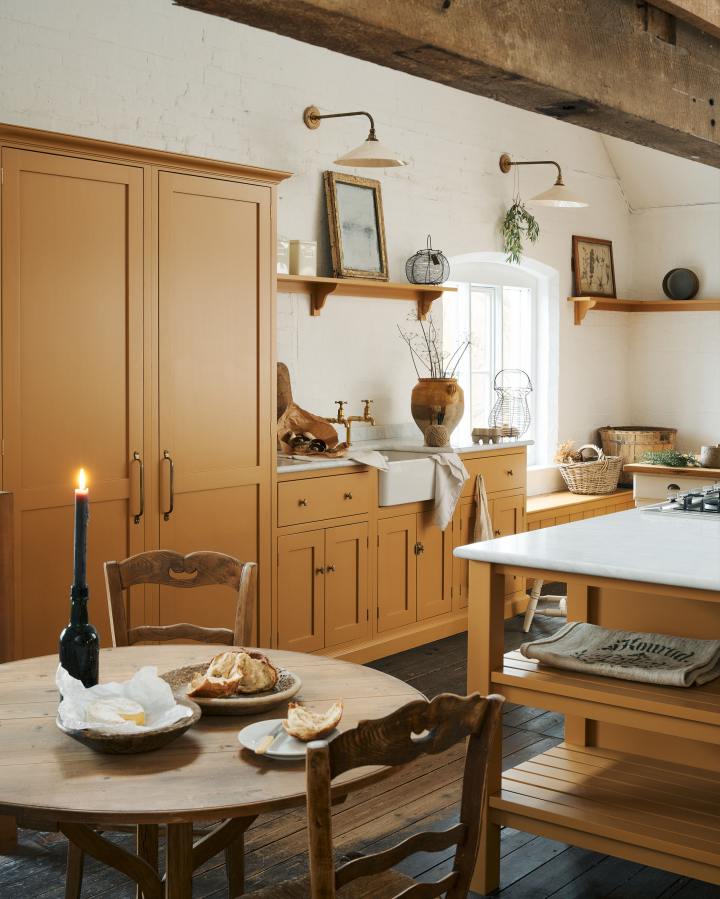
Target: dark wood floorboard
422	796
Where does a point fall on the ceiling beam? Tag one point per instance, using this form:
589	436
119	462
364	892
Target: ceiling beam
703	14
620	67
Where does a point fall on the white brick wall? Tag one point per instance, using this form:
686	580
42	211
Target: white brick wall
144	72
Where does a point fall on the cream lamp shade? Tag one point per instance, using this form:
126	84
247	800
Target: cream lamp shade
370	154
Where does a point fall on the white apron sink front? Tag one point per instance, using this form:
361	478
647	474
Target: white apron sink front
410	478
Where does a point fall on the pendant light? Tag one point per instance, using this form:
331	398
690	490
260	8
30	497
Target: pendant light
371	153
558	195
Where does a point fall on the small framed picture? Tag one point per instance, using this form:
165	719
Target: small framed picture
593	269
357	228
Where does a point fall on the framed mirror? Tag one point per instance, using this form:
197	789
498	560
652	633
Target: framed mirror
357	228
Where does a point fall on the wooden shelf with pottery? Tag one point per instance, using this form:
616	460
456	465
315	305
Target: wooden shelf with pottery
602	304
321	288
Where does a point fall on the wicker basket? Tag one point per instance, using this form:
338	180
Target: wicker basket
595	476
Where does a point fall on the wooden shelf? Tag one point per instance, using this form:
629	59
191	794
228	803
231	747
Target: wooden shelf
692	713
321	288
652	812
584	304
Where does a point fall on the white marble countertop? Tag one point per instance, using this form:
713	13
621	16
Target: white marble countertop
463	445
636	545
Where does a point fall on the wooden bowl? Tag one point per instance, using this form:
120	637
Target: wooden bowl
129	744
287	686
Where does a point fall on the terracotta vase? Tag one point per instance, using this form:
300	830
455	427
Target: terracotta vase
437	401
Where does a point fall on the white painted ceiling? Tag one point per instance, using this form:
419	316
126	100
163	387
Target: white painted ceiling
650	179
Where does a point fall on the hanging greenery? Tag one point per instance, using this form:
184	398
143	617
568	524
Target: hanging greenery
518	224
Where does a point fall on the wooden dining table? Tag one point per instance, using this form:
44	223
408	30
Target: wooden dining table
46	777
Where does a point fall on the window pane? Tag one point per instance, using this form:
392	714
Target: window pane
517	325
480	392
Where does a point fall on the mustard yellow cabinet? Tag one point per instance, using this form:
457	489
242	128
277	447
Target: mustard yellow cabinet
396	572
322	587
301	591
346	583
434	567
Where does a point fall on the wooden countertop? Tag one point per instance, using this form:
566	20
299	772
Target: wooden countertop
645	468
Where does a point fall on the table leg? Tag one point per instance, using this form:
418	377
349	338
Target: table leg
235	867
74	871
148	843
178	876
8	833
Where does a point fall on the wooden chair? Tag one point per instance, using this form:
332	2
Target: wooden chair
417	729
170	569
535	591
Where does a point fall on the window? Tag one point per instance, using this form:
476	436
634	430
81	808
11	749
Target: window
505	317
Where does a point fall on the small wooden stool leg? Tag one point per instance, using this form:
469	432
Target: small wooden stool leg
148	844
533	604
74	871
235	867
179	865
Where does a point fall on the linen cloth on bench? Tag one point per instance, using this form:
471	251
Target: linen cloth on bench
648	658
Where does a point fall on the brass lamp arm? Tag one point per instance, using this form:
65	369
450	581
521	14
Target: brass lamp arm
312	118
506	163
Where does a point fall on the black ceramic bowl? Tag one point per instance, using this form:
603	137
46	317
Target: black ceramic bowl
680	284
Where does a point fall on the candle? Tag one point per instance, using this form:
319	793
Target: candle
82	510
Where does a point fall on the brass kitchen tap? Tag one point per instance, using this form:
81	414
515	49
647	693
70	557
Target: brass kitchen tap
342	419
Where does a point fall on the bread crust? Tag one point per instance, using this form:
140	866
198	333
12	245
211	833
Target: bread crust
233	673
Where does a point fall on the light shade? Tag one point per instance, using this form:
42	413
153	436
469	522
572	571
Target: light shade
558	195
370	154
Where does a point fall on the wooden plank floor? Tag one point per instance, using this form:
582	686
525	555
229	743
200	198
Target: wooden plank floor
421	796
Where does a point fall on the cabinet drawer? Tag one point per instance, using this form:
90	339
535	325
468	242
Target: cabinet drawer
315	499
499	473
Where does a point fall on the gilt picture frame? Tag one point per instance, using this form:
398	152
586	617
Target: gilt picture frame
593	267
356	226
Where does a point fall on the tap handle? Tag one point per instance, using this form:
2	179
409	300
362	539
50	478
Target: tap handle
367	404
340	404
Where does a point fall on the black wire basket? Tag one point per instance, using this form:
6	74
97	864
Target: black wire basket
427	266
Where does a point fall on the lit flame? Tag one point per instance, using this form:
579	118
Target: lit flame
82	480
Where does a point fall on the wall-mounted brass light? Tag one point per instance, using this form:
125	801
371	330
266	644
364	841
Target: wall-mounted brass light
370	154
557	195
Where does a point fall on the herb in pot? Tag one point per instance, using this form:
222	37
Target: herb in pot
671	458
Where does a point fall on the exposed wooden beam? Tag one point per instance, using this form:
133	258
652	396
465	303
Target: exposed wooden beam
610	65
703	14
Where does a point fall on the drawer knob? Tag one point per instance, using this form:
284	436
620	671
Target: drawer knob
497	532
509	472
319	571
330	569
419	548
348	495
302	502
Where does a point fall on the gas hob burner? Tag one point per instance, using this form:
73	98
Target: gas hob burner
701	501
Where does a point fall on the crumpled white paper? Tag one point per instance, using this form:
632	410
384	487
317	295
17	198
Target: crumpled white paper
145	687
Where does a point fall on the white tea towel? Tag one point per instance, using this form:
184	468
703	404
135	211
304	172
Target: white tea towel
483	524
648	658
450	476
363	457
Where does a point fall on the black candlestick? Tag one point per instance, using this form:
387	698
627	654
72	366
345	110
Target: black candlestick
79	642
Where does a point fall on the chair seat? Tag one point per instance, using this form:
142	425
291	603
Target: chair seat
381	886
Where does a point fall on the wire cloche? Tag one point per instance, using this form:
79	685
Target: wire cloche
427	266
512	387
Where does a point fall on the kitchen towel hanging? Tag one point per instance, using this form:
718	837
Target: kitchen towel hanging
648	658
450	476
483	524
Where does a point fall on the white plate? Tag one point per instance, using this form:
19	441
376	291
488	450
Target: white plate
284	747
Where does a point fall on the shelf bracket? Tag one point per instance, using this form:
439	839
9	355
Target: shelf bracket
318	295
424	303
582	307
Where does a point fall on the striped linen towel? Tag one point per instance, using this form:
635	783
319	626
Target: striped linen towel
648	658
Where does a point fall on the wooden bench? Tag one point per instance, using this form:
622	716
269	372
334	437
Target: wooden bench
549	509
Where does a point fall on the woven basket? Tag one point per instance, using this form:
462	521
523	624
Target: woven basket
599	475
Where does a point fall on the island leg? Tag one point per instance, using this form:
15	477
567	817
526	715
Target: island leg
486	636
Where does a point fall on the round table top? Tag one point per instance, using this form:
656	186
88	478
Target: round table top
204	774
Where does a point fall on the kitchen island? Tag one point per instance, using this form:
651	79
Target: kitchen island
638	775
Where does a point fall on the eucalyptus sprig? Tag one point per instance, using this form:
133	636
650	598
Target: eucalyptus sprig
518	224
671	458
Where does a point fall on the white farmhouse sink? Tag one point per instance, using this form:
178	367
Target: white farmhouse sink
410	478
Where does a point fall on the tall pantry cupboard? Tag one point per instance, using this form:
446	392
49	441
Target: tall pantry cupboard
137	342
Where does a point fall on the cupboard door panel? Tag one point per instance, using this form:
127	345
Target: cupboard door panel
72	357
214	320
434	568
508	517
301	591
396	572
228	530
463	528
346	583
